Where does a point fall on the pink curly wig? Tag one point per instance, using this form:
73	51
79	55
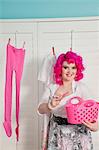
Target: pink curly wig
70	57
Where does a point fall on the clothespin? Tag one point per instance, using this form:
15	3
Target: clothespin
71	49
23	44
9	41
53	51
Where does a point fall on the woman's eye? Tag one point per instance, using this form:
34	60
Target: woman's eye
73	67
65	67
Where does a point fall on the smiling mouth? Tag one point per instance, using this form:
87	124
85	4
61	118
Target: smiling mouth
69	75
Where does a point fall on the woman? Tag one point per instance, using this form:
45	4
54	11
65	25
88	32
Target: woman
68	71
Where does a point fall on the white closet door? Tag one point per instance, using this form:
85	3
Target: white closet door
28	92
50	34
85	41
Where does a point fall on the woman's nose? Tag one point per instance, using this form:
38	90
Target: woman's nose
69	70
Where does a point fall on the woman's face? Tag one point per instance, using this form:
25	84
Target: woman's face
68	71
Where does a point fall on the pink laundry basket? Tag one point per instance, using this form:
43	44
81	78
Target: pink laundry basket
81	110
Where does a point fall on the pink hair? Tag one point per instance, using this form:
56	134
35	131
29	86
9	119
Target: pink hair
70	57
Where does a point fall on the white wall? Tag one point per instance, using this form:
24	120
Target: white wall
40	36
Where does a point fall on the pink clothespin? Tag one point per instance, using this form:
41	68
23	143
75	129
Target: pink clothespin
71	49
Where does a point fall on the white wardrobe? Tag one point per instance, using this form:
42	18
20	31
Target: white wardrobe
40	36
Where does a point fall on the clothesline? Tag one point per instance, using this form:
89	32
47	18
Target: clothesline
73	31
16	33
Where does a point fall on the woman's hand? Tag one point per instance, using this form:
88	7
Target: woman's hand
56	100
93	126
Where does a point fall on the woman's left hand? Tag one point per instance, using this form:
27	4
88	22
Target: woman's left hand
93	126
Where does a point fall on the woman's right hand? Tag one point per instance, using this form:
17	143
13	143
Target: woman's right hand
56	99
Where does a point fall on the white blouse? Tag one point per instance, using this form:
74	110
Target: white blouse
79	89
46	70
